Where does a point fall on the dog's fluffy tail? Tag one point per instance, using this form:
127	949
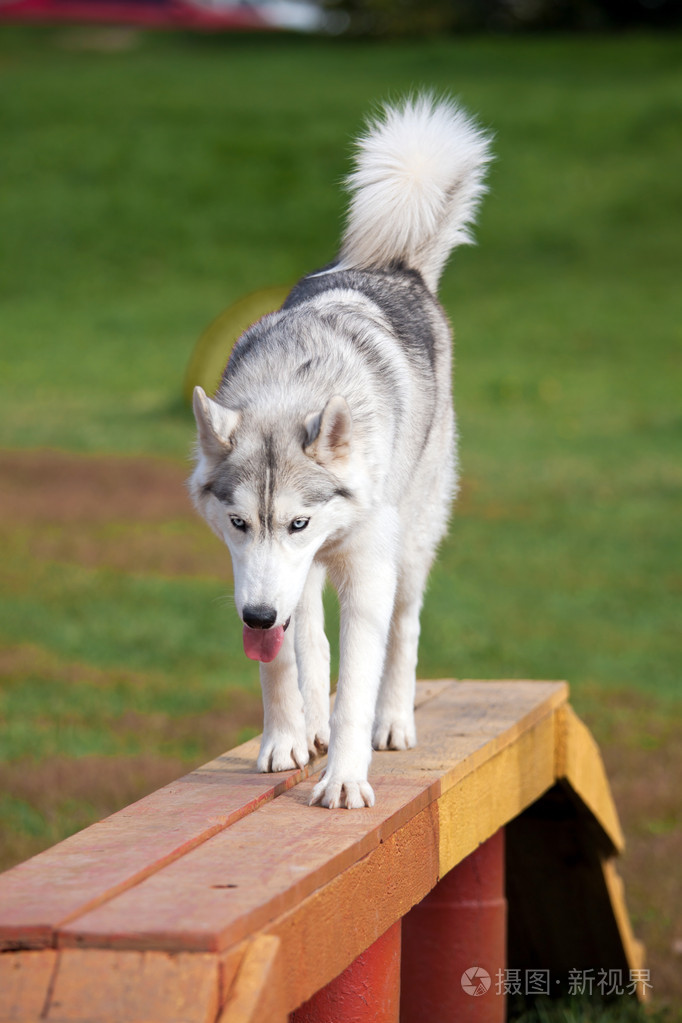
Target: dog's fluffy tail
416	185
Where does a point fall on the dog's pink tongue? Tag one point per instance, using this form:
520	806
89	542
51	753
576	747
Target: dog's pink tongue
263	644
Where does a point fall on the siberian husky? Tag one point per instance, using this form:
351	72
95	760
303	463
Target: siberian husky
329	450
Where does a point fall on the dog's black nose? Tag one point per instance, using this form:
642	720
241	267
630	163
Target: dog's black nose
260	616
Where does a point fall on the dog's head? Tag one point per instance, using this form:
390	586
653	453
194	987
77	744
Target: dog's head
276	490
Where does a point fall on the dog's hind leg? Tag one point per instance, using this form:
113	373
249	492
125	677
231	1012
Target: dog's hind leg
312	657
394	726
284	744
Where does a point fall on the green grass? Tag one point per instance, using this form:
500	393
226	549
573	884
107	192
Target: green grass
574	1009
144	191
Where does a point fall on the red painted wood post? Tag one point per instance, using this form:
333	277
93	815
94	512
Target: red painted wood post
368	991
455	942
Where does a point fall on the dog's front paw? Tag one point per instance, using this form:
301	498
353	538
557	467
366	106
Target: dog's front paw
281	751
394	733
333	791
318	740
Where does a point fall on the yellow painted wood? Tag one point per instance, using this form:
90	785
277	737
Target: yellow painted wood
579	762
256	995
494	791
634	950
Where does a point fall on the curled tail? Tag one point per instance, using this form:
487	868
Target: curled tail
416	186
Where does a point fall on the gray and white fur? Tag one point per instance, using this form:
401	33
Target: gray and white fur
329	450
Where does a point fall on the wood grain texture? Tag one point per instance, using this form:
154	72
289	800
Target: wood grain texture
135	987
269	860
180	891
25	979
230	963
247	875
118	852
467	723
93	866
324	933
495	791
579	762
256	995
634	950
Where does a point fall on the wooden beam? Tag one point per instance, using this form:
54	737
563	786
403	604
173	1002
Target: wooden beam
228	876
480	742
579	763
112	856
135	987
494	791
255	996
25	981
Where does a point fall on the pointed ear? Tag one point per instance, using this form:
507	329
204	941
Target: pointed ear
329	432
215	424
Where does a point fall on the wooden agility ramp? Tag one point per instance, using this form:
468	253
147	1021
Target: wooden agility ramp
225	898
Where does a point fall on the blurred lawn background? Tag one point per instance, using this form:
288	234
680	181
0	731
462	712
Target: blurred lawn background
147	188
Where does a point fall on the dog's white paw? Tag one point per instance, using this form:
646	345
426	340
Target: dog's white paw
394	733
334	792
282	752
318	740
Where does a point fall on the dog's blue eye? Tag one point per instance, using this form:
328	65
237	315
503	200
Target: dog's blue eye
238	523
298	524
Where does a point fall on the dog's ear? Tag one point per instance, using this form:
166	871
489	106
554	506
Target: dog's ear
328	433
215	423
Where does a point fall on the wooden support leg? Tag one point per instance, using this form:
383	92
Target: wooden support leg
451	937
368	991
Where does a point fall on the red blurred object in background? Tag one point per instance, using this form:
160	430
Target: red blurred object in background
201	15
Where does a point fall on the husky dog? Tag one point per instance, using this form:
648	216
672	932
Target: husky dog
329	449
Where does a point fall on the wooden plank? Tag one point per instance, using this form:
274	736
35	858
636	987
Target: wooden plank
467	727
135	987
470	720
634	950
93	866
325	932
244	877
25	979
333	881
256	995
426	689
229	968
267	862
118	852
495	791
579	762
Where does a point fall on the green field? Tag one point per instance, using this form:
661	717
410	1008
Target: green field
146	189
